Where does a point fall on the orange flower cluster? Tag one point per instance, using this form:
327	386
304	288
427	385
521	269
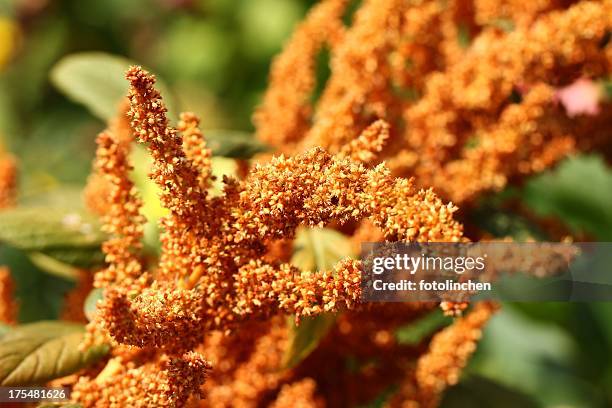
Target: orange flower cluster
194	145
247	364
449	352
300	394
292	80
468	88
97	192
211	242
8	306
123	221
359	90
8	180
72	309
165	379
248	368
451	132
520	13
214	272
165	382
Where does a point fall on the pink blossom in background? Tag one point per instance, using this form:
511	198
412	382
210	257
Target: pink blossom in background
580	98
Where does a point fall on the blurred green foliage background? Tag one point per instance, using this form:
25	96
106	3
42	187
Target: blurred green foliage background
214	56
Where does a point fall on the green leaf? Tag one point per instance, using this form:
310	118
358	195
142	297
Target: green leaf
534	357
235	144
579	191
62	196
89	307
39	228
320	249
97	81
39	352
413	333
314	249
69	236
306	336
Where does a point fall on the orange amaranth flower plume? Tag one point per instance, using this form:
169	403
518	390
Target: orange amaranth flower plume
164	382
123	221
285	113
468	88
359	89
469	104
449	352
213	271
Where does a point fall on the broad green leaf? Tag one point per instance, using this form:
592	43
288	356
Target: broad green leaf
48	228
57	151
39	352
586	323
414	332
63	196
89	307
68	237
235	144
314	249
97	81
578	191
535	358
